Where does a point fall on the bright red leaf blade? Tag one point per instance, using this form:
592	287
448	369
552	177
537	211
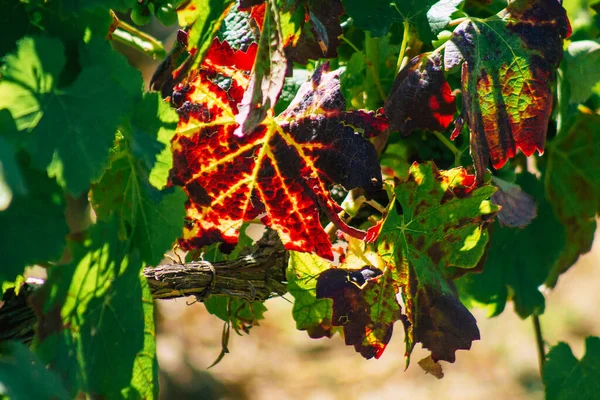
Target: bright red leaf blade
280	173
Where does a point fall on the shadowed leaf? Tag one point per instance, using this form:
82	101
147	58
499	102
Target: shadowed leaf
509	65
518	208
518	261
421	98
23	376
281	172
434	231
567	378
573	187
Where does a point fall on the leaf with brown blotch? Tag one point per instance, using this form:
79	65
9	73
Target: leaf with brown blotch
268	74
421	98
280	173
433	231
518	208
364	304
509	64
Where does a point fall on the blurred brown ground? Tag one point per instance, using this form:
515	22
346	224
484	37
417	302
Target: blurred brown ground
278	362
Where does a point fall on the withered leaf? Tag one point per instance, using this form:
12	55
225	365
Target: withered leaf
518	208
364	304
279	173
421	98
509	64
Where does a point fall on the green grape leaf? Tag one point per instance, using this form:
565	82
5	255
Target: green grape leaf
241	313
268	75
567	378
581	69
506	77
364	304
310	313
518	261
34	221
152	126
73	126
13	15
97	329
440	14
376	16
152	219
11	178
435	230
23	376
573	187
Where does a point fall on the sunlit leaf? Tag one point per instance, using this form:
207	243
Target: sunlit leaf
434	231
280	173
509	65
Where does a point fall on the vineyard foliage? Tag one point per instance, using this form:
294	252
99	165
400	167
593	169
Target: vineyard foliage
416	159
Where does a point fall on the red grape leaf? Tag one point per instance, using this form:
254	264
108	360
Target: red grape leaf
280	172
421	98
433	231
364	304
509	64
268	74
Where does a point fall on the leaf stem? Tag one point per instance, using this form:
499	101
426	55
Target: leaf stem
369	66
132	37
539	339
457	153
405	37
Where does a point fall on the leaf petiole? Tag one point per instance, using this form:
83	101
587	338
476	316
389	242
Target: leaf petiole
457	153
405	37
130	36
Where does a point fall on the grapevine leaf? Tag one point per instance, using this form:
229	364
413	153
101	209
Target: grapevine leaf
581	69
153	125
11	178
23	376
204	18
281	171
311	29
97	329
74	126
268	75
519	260
37	223
376	16
565	377
309	312
152	218
13	13
440	14
518	208
431	367
506	77
364	303
421	98
241	313
434	231
573	187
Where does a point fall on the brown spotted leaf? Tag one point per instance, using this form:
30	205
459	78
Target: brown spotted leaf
509	64
421	98
435	230
280	173
364	304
